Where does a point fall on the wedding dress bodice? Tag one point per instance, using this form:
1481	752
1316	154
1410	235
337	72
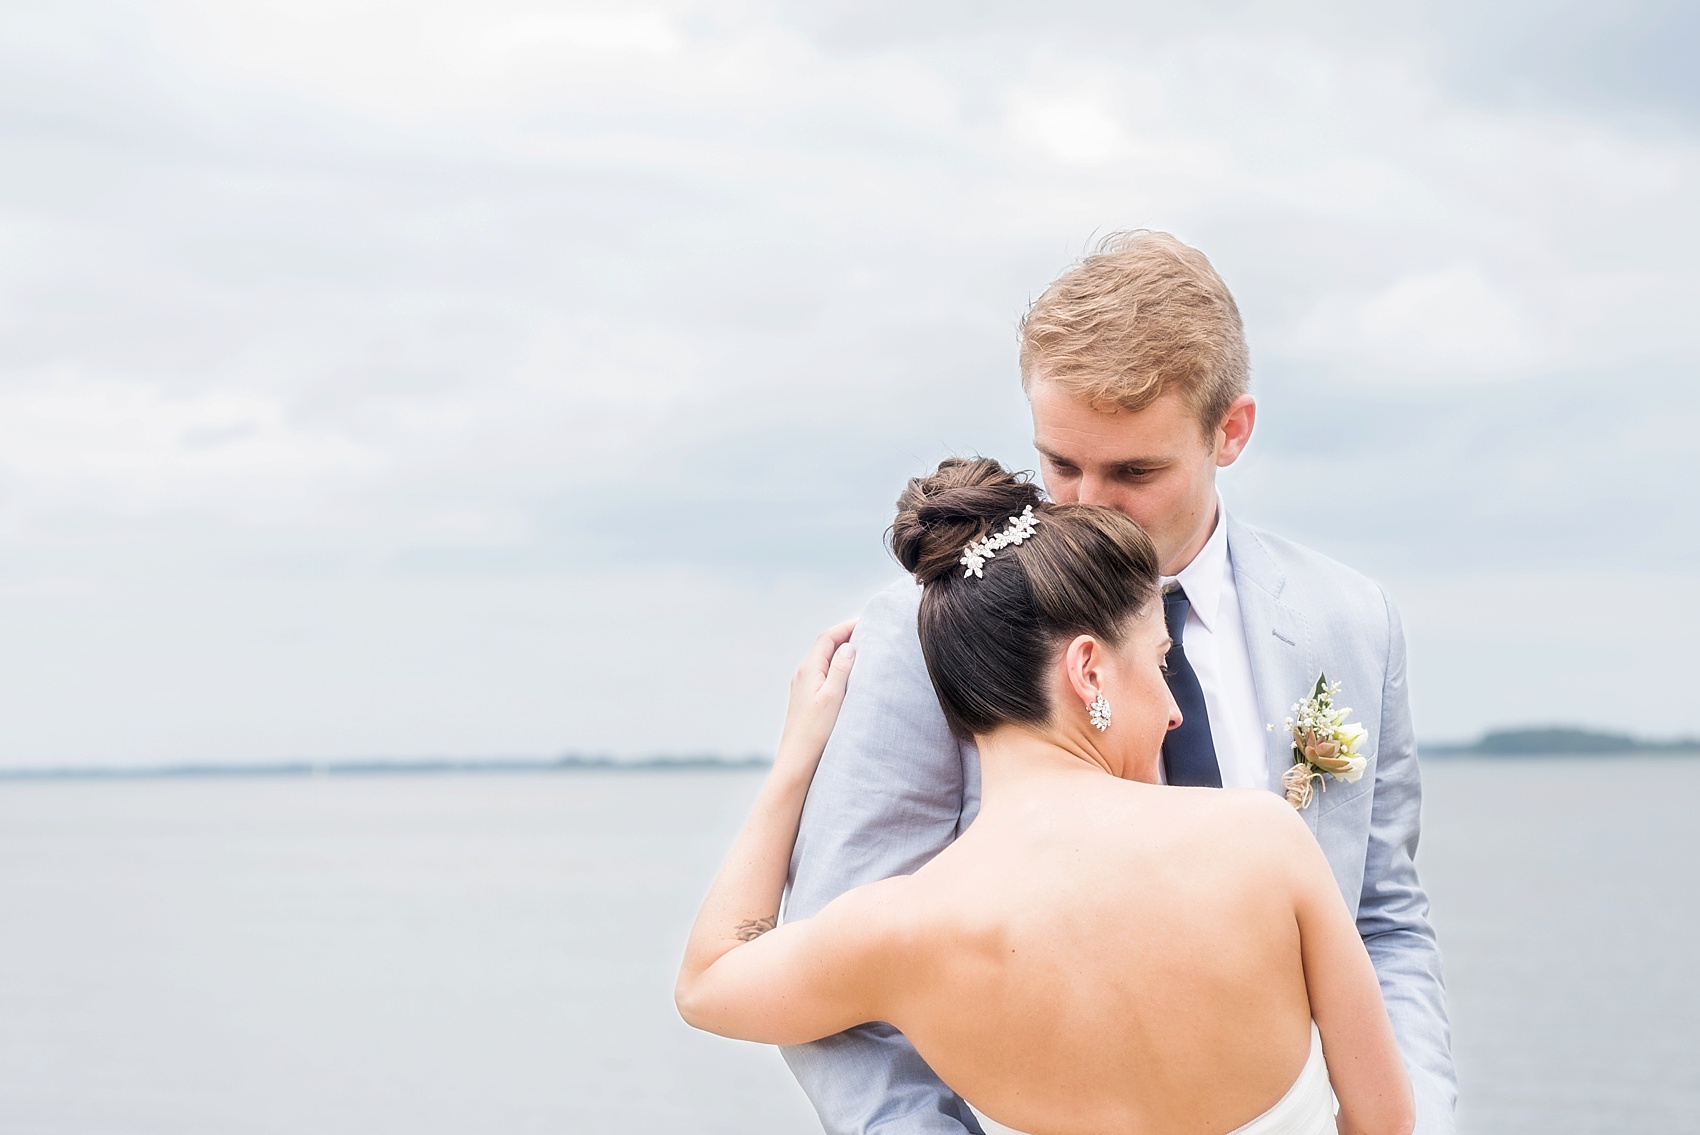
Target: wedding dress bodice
1306	1109
1308	1106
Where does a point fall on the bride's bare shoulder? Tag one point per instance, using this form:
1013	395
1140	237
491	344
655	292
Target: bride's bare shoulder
884	916
1259	804
1253	818
880	903
1216	805
894	933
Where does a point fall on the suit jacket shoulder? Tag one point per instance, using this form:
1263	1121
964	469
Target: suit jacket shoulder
1341	604
893	786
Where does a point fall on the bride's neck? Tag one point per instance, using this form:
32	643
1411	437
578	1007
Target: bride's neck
1016	759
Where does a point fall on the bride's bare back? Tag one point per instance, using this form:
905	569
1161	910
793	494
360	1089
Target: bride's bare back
1106	956
1092	957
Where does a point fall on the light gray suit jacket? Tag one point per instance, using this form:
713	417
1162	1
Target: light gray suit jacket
894	788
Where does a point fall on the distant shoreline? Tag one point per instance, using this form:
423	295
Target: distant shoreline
1456	752
1509	744
399	767
1562	741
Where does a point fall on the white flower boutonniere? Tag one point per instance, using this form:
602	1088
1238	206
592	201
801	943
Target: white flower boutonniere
1324	744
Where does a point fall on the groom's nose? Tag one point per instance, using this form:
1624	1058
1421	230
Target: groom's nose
1095	490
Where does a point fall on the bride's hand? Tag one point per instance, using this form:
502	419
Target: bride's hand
744	902
817	690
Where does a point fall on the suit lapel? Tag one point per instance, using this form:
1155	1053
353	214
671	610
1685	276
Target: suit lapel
1283	662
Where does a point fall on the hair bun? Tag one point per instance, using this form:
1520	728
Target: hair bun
959	502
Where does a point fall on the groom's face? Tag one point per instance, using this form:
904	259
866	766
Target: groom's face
1156	465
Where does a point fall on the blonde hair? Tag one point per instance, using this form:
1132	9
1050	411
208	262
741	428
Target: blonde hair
1142	315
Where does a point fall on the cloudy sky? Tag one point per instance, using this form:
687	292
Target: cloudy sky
511	378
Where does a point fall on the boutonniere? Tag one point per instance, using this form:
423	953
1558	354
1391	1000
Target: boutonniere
1324	744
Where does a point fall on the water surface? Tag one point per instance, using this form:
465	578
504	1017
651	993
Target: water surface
477	953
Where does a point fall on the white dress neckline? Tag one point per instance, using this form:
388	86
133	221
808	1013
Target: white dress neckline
1308	1106
1306	1109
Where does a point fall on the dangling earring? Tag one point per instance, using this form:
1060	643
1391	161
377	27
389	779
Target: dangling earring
1099	711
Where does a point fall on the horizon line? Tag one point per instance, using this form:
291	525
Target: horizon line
1624	745
357	766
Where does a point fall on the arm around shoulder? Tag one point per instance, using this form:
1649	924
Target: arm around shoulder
889	793
810	978
888	796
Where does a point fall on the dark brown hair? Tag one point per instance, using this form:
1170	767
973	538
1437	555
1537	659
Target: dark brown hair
989	640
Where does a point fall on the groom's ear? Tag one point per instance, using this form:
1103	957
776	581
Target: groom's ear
1235	430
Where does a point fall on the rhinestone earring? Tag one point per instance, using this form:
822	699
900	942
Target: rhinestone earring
1099	711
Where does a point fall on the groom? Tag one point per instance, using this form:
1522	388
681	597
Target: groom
1135	365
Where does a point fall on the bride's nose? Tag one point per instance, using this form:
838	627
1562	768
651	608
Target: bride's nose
1175	718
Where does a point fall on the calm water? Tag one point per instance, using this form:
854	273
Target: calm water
495	953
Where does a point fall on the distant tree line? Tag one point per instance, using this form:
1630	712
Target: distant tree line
1559	740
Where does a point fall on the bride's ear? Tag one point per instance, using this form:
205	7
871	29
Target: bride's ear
1083	662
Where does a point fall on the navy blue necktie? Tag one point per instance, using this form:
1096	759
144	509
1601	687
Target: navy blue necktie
1189	754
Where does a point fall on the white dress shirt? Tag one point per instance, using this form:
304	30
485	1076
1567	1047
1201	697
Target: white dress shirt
1214	641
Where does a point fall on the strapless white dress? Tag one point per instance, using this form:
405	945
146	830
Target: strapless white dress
1306	1109
1308	1106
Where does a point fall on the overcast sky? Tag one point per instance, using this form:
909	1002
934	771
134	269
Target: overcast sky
501	378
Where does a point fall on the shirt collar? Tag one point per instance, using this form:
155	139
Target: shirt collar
1204	578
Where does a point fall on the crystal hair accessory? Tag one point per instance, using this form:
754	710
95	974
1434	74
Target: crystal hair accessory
974	556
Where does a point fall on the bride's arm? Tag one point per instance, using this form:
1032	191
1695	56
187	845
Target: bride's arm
741	977
1364	1066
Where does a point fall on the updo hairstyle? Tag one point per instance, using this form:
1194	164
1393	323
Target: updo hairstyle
989	640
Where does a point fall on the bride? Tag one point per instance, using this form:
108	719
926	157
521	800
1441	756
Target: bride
1098	952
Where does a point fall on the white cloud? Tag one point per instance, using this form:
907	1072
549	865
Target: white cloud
305	303
615	32
130	446
1076	130
1450	325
